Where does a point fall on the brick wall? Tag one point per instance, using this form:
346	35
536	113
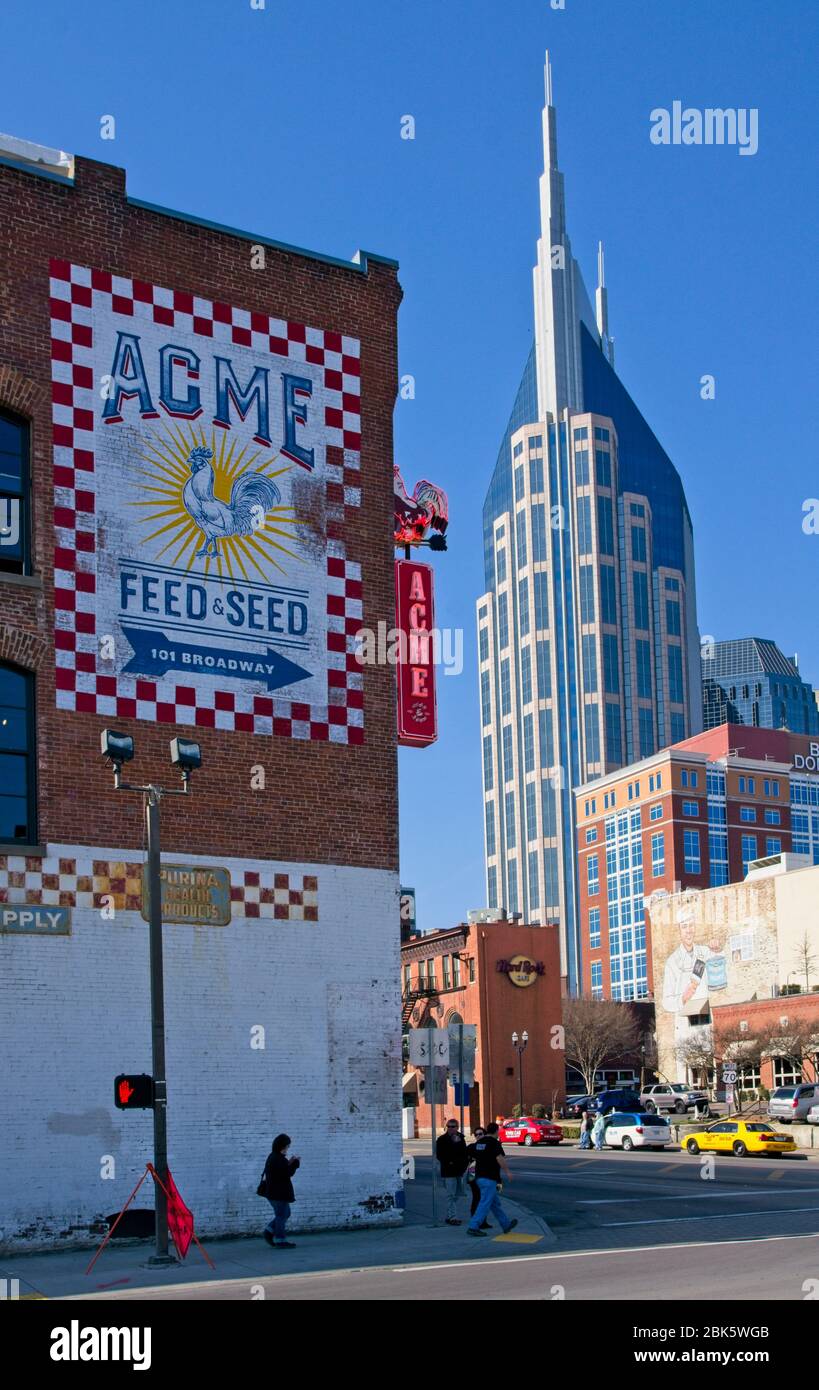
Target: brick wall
323	984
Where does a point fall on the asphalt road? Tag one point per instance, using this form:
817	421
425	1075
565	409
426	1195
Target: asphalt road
638	1226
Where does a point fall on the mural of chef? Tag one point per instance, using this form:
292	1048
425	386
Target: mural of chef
685	980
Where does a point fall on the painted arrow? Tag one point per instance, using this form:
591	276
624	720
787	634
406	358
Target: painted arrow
155	654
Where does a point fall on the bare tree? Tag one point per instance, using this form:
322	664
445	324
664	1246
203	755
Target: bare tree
794	1039
805	957
696	1052
598	1030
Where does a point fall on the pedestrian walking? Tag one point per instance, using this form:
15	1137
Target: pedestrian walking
598	1131
473	1186
586	1123
277	1181
453	1160
489	1163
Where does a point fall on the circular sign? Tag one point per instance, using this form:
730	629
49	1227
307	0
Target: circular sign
522	971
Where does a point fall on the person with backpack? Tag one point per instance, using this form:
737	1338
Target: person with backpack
277	1185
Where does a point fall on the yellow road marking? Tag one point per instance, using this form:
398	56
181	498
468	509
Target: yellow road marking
776	1174
513	1238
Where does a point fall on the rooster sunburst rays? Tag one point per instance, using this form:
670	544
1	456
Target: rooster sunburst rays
213	498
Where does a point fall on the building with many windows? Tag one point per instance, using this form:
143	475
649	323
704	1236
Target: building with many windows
750	681
587	629
695	815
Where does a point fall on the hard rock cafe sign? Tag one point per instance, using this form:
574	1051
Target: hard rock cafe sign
520	970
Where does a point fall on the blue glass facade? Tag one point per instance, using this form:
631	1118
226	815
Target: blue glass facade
750	681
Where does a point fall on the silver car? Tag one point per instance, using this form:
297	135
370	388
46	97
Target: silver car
789	1103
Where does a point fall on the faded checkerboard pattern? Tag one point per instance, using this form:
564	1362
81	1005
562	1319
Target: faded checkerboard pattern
75	291
83	881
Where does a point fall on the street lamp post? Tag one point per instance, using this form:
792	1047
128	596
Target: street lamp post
520	1044
187	756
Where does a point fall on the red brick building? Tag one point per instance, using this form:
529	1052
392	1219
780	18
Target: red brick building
692	816
196	449
504	978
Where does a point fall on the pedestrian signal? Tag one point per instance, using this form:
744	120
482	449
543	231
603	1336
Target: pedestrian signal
134	1092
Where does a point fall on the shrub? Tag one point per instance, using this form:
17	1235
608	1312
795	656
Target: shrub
539	1111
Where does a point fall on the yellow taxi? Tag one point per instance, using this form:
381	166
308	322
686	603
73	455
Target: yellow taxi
740	1137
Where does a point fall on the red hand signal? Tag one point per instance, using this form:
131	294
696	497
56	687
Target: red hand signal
126	1090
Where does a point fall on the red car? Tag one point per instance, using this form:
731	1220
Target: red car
529	1131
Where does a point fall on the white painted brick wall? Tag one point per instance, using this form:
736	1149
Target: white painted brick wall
74	1011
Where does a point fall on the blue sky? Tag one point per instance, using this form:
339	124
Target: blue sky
287	121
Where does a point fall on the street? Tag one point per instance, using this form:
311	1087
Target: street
638	1226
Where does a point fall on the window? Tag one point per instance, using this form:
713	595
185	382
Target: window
597	979
534	885
472	970
614	745
638	543
593	875
503	621
611	664
586	594
526	674
672	617
14	493
508	764
656	812
658	855
483	637
456	971
773	845
407	978
447	971
640	592
544	669
646	722
510	820
505	688
531	812
772	816
18	821
749	851
747	813
489	818
601	434
655	782
602	464
605	529
500	564
691	808
771	788
581	467
691	851
591	835
608	595
580	434
747	784
677	722
589	645
539	547
584	534
528	743
675	675
541	599
488	779
642	650
523	607
591	718
594	928
520	532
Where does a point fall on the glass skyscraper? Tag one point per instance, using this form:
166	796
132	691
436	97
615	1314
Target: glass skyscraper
748	680
587	631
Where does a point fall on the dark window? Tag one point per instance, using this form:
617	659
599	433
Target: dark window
17	799
14	494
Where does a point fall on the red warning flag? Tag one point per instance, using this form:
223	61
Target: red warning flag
180	1219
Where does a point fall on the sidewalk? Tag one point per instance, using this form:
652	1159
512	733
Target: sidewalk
120	1267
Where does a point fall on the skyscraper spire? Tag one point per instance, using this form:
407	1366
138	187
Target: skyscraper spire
602	306
561	300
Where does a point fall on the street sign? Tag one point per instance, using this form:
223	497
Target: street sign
461	1094
429	1047
729	1076
470	1043
134	1092
435	1091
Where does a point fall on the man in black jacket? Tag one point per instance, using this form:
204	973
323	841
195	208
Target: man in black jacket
278	1178
450	1151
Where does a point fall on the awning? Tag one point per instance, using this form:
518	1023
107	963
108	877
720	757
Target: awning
409	1081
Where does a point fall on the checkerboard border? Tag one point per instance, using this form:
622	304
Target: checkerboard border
82	683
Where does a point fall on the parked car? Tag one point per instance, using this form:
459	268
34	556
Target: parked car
812	1116
788	1103
575	1105
528	1131
739	1137
674	1096
616	1099
637	1130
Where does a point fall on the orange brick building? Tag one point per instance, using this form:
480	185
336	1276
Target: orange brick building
504	978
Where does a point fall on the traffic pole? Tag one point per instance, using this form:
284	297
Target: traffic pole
160	1112
461	1071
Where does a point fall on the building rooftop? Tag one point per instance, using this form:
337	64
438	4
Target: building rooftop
742	656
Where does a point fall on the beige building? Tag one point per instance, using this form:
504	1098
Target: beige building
739	944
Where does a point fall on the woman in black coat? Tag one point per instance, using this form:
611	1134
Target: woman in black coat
278	1182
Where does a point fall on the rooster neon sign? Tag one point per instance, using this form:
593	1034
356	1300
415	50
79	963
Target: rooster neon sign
425	509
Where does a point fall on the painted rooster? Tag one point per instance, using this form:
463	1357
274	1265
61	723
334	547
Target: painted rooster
251	497
414	515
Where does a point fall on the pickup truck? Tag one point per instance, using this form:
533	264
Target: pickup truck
674	1096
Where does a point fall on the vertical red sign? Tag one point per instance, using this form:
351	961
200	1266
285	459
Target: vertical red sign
414	620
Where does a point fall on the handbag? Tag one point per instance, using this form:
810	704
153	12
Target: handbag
261	1190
